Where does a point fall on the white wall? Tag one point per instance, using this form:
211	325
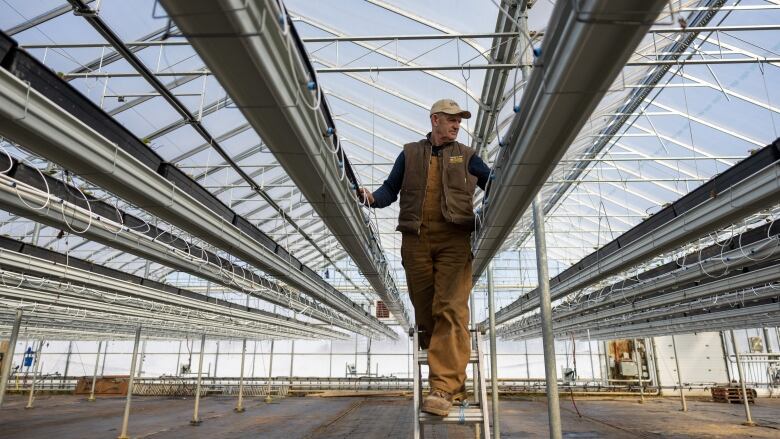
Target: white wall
701	360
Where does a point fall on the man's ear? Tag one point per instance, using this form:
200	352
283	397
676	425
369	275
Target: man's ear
434	120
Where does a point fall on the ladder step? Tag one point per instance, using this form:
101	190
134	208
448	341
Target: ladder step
471	415
422	357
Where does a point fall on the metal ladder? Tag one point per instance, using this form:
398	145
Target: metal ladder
466	413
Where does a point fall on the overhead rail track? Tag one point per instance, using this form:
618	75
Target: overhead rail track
584	50
745	188
761	315
721	267
23	189
28	259
504	47
255	52
69	318
80	7
674	51
52	119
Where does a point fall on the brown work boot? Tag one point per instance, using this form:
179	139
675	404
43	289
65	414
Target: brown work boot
461	394
438	403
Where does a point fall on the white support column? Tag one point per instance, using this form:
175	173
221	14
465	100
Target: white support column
133	362
639	371
36	369
240	404
254	358
105	355
493	353
67	363
268	398
6	370
590	357
177	371
684	404
141	362
292	359
749	419
94	374
216	360
195	419
548	340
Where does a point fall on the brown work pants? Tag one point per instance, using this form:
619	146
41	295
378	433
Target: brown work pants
438	276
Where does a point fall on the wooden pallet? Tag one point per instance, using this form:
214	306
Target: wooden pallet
732	394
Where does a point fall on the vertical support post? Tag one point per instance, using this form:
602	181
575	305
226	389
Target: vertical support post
527	363
590	356
36	369
268	398
94	374
240	405
606	363
639	371
473	316
292	359
67	363
216	360
141	361
654	357
553	409
6	370
356	352
767	341
177	371
493	353
105	355
749	421
330	360
195	419
679	377
254	358
133	362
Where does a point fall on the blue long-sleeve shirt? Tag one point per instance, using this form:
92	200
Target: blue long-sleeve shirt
388	192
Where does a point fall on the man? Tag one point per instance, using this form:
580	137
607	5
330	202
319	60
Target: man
436	178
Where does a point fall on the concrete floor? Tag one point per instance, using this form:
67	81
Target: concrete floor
64	417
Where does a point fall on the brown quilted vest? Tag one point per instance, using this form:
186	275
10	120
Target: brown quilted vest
457	185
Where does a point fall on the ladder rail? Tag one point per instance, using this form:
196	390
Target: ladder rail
483	387
476	414
419	432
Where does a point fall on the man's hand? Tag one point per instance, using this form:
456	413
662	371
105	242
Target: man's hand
365	196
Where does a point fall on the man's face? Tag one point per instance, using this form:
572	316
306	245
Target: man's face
446	126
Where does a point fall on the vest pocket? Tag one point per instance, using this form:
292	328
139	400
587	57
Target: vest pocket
456	176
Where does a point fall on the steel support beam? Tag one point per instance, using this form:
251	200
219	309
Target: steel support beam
548	339
195	421
503	50
749	420
240	403
493	355
660	291
585	48
76	273
754	192
50	131
94	374
36	370
636	98
683	403
133	361
268	78
5	372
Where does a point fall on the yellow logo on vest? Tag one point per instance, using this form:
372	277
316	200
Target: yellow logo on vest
456	159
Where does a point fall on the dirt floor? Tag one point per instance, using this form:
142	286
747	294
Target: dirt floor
64	417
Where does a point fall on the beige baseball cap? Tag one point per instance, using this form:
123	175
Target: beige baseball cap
448	106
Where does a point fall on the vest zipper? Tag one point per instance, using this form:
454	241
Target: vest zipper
444	192
425	190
